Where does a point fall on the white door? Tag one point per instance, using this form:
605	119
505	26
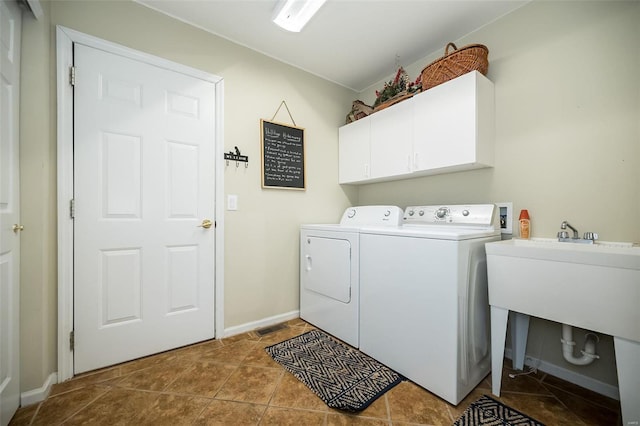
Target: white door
10	23
143	188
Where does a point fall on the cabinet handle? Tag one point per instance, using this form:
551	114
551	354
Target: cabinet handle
366	170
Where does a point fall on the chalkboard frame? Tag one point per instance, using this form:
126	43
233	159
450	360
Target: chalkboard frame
299	186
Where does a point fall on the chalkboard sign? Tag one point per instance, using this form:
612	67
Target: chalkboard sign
282	156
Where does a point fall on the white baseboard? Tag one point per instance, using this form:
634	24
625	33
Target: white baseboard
265	322
570	376
37	395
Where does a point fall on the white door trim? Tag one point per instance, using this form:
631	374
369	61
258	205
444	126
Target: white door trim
65	38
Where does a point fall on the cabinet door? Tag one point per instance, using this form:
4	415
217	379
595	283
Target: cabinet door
444	125
391	140
353	151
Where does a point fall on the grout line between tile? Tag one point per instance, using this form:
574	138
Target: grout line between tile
85	406
35	413
215	396
388	406
275	389
203	409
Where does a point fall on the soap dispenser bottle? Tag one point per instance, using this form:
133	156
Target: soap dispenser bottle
525	224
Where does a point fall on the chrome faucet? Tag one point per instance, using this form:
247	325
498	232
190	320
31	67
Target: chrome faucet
565	224
563	236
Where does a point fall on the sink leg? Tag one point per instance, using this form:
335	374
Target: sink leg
519	332
499	317
628	362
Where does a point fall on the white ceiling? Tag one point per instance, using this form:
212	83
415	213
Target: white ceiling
354	43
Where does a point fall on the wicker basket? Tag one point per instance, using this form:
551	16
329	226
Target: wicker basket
473	57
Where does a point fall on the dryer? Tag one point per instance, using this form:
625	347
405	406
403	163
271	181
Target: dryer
423	296
330	269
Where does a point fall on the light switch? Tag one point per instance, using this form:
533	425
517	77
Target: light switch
232	202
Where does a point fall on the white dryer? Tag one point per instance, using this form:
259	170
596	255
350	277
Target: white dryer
330	270
423	296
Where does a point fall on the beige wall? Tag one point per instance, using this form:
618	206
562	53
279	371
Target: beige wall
38	271
567	134
261	238
567	147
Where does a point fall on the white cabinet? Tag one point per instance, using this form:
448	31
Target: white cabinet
447	128
391	135
454	125
354	151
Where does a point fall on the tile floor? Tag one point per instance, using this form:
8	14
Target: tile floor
234	382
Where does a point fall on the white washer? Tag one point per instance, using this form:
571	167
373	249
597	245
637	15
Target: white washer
424	308
330	271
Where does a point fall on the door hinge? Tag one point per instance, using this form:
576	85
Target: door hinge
72	209
72	341
72	76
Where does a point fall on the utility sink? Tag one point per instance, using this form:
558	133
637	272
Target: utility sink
591	286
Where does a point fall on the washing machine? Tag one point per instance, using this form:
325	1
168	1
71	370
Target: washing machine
424	308
330	270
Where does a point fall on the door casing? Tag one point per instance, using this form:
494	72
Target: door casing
65	38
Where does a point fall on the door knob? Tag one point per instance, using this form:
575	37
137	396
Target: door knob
17	228
206	224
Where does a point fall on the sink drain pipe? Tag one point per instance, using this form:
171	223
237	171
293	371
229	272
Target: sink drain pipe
588	353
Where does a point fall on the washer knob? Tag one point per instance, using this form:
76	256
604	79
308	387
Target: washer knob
441	212
421	212
410	212
465	212
351	213
387	213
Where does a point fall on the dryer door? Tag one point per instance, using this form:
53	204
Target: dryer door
326	267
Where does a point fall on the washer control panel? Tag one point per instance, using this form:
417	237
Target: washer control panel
464	214
372	216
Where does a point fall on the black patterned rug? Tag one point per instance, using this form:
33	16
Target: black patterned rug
343	377
486	411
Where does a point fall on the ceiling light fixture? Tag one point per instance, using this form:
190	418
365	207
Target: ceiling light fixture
293	15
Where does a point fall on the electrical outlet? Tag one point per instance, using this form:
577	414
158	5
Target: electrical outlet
505	211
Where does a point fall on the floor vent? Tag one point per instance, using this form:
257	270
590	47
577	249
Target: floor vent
264	331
